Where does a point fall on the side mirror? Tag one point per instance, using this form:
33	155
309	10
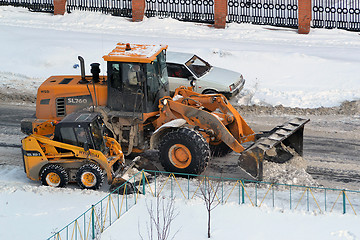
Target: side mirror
86	146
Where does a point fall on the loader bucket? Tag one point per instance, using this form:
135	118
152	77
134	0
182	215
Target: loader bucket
119	179
123	176
278	145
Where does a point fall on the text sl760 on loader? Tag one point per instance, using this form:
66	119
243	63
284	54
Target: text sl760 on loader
133	99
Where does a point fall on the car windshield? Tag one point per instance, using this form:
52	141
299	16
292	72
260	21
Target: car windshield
198	66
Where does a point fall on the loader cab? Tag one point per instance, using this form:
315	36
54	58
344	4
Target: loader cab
82	130
137	78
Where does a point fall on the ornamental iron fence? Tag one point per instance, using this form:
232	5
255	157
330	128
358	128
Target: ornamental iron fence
121	8
32	5
183	10
342	14
269	12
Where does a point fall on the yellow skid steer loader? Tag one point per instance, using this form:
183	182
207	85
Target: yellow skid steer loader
72	150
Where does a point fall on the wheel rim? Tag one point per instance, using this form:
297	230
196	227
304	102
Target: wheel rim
88	179
53	179
180	156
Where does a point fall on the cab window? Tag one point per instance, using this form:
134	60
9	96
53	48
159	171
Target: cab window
68	135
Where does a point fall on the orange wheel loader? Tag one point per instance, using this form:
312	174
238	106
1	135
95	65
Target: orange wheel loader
133	99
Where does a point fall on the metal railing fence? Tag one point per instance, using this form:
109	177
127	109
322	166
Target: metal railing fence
103	214
183	10
121	8
270	12
342	14
32	5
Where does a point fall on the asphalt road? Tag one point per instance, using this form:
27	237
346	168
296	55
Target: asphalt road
331	145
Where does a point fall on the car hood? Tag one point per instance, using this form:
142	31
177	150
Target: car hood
221	76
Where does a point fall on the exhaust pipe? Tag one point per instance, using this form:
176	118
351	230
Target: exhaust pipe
82	67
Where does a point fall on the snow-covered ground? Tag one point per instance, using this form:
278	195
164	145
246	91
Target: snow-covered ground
232	221
31	211
40	211
280	66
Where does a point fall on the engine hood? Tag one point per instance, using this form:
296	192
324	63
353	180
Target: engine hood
221	76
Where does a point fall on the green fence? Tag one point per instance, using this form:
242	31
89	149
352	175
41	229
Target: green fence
103	214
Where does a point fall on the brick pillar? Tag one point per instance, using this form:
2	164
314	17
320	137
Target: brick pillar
59	7
220	13
138	10
304	16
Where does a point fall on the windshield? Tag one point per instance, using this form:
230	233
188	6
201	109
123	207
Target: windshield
198	66
157	76
163	69
97	136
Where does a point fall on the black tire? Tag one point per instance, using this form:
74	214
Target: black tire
220	150
210	91
190	145
54	176
90	176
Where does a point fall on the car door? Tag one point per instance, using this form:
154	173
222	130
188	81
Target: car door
179	75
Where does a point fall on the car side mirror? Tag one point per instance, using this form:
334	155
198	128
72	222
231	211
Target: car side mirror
191	78
86	146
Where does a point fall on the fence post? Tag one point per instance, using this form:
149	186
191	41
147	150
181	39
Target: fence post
242	192
344	202
143	181
138	10
220	13
304	16
93	221
59	7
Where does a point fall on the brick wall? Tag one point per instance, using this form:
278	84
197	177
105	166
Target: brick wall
220	13
304	16
138	10
59	7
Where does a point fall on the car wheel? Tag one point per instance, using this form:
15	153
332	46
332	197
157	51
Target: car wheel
209	91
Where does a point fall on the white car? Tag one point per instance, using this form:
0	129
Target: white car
185	67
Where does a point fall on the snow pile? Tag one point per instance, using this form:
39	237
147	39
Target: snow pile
18	87
292	172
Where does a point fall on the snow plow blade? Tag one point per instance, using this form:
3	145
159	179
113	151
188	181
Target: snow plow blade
278	145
